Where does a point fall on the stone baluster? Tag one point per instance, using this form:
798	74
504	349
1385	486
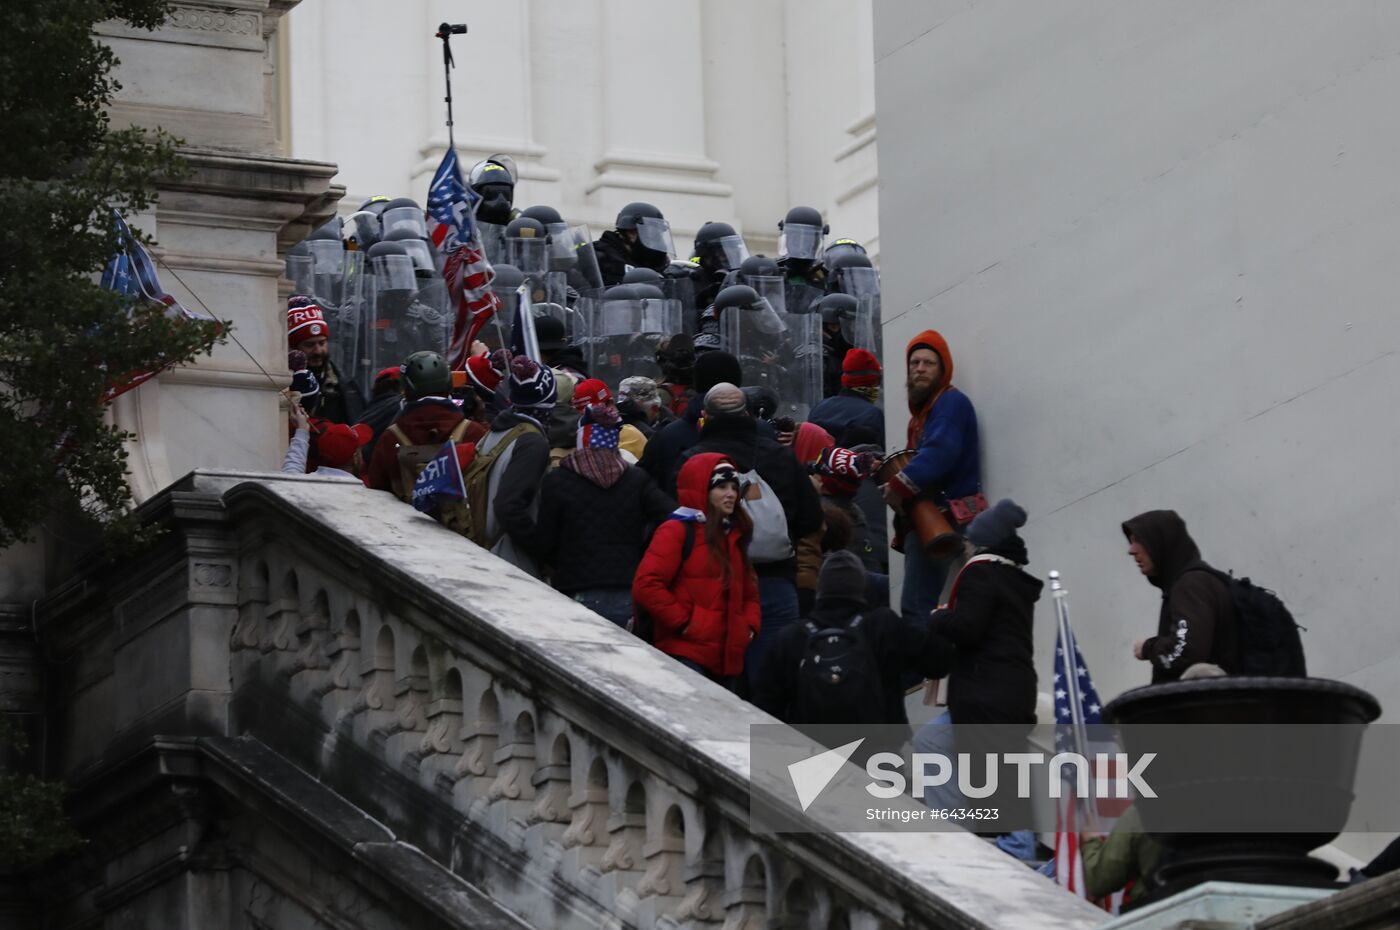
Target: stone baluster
307	665
336	689
746	898
283	615
664	852
476	769
552	783
587	834
513	789
252	611
704	875
411	699
627	832
441	746
373	709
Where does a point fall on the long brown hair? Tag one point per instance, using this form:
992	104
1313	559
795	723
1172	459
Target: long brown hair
739	522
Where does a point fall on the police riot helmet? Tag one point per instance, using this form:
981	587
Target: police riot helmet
762	401
525	227
653	232
835	307
840	248
403	213
360	230
494	179
330	229
376	204
497	169
759	266
642	276
646	291
425	374
417	248
719	248
508	277
736	296
546	215
835	263
630	215
800	234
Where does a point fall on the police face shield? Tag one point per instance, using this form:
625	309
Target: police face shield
858	282
762	318
800	241
361	230
725	253
655	234
571	252
421	256
771	289
394	275
529	255
409	218
299	270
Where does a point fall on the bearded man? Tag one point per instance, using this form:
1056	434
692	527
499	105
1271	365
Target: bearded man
944	470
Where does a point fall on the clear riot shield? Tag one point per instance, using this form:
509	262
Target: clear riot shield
571	254
858	282
348	322
681	289
780	351
328	257
862	330
802	298
771	288
298	271
529	255
493	241
551	288
392	289
619	337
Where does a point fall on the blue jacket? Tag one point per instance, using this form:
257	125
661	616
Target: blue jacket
947	461
840	412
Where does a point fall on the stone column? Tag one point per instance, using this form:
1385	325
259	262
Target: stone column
654	115
208	75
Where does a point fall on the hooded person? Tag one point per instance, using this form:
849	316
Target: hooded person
728	428
590	559
1196	622
808	444
945	468
428	418
308	331
695	579
521	456
854	406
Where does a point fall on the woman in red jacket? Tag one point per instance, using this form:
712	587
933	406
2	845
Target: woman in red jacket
705	610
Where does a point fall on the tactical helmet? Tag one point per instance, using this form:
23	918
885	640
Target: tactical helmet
736	296
546	215
376	204
835	306
628	216
508	277
642	276
494	170
852	259
524	227
711	232
425	374
801	235
719	248
804	216
759	266
840	248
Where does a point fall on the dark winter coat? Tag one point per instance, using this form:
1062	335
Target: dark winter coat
896	645
991	676
838	414
696	615
425	421
381	411
341	399
615	255
1197	619
736	437
592	535
515	481
662	454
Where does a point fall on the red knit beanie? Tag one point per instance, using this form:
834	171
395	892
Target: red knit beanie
483	374
305	322
860	368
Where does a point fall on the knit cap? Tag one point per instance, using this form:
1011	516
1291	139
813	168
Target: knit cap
842	577
487	371
531	385
860	368
305	321
725	398
996	524
716	368
336	444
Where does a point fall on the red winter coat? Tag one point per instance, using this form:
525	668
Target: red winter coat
697	617
425	421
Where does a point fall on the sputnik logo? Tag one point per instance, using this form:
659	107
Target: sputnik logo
811	776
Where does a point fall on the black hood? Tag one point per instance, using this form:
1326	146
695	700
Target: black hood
734	434
1163	534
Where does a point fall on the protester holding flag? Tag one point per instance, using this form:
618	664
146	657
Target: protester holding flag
468	274
594	513
429	418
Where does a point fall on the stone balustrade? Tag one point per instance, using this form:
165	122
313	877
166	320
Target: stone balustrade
574	773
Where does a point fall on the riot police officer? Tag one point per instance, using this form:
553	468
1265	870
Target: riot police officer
800	237
641	239
718	251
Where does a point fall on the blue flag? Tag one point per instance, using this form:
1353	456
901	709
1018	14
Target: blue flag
440	481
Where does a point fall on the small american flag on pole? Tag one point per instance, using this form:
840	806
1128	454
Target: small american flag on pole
1077	706
132	273
451	207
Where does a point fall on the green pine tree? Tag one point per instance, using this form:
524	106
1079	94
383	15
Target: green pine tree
63	339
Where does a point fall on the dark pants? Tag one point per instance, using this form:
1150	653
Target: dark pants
777	599
613	603
731	682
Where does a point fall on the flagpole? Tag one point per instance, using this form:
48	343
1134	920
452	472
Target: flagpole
1071	683
445	32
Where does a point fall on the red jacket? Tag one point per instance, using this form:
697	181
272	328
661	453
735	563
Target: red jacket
697	616
425	422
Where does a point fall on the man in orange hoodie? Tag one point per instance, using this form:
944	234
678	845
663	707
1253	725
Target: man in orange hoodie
945	470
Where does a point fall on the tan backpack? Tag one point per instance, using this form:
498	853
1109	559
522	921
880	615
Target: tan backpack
454	515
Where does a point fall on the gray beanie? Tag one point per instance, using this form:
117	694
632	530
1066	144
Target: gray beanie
842	577
725	398
996	524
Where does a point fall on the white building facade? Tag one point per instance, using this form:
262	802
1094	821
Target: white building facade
719	110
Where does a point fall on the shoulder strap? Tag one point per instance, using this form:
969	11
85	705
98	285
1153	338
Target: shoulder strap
399	435
689	545
459	431
811	628
976	559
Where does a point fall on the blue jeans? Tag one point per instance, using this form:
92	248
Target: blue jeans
731	682
923	581
613	603
777	599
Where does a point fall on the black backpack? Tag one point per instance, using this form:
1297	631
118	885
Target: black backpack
644	624
838	680
1266	633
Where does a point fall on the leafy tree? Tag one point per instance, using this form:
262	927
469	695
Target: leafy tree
33	826
64	339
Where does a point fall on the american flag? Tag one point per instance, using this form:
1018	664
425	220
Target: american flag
1077	706
451	206
132	273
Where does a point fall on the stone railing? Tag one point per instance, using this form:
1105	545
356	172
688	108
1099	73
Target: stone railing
577	775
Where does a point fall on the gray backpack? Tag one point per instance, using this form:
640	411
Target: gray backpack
770	541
